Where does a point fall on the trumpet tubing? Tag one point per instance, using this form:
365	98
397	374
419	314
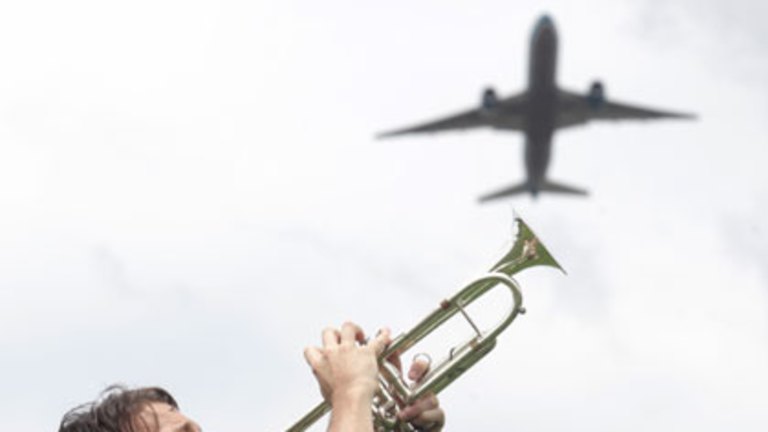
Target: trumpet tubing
394	393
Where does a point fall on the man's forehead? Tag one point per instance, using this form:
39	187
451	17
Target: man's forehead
161	417
160	407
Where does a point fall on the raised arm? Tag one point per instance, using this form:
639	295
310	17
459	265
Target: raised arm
347	371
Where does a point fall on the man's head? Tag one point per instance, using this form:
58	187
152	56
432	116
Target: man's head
149	409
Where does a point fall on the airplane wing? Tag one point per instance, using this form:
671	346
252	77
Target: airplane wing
575	109
502	114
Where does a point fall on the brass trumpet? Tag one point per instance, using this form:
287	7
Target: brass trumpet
394	393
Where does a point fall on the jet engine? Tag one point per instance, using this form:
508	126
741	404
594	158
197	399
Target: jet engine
596	95
489	100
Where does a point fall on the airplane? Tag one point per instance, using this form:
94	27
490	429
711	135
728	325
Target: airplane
538	112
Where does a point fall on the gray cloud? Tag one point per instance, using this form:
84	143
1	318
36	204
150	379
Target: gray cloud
111	268
731	35
746	236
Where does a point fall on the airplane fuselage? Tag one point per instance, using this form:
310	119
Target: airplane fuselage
542	102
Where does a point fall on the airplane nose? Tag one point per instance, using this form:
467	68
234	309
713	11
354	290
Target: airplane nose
545	21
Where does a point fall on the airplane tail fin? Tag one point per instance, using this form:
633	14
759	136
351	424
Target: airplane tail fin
525	187
550	186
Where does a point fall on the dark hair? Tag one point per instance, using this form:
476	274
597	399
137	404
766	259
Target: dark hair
114	411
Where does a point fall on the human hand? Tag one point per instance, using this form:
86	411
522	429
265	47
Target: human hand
425	413
344	368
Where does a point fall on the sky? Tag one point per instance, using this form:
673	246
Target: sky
191	191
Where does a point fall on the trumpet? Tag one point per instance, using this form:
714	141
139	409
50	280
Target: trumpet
394	392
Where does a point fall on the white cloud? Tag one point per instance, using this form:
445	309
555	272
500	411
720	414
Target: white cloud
191	192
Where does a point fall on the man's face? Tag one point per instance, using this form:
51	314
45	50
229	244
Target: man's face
161	417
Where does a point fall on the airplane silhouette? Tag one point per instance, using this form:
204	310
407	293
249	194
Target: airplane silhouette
538	112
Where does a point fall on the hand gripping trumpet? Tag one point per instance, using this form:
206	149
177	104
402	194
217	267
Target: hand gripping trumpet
394	392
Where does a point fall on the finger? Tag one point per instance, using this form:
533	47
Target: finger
381	341
350	332
313	356
418	408
394	359
431	421
419	368
331	337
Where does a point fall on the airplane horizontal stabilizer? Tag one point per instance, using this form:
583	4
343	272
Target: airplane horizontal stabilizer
525	187
508	191
550	186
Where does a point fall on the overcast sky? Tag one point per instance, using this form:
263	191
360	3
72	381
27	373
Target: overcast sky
191	191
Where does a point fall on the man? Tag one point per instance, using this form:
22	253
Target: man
345	370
